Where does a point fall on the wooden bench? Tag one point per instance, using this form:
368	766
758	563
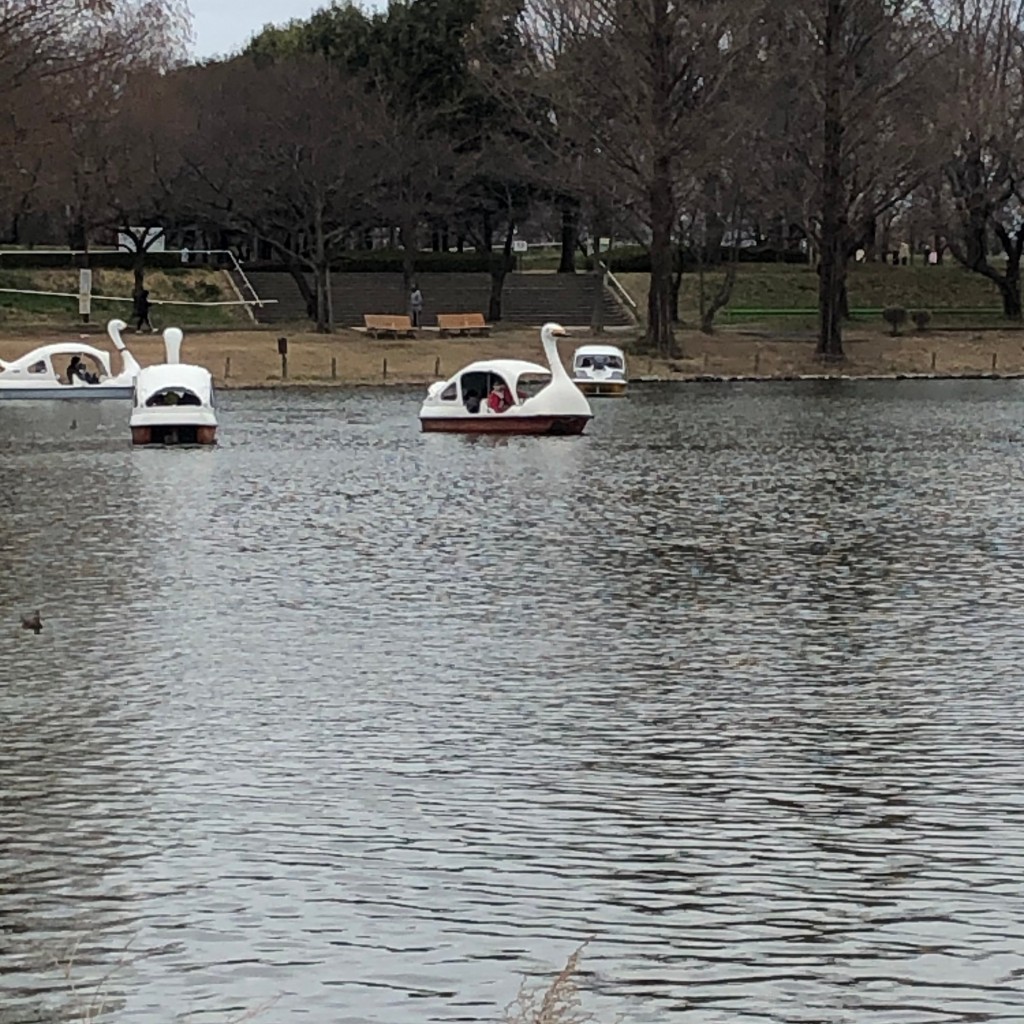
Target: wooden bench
388	326
462	323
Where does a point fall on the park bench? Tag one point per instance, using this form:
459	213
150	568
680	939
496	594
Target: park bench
379	325
462	323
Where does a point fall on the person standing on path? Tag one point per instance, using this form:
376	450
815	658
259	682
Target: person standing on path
142	310
416	306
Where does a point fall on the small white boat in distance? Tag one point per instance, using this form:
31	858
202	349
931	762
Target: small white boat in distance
173	402
486	397
599	370
69	369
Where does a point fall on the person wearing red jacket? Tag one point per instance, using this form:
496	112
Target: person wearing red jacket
499	400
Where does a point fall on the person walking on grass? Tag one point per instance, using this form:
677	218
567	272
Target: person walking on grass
416	306
141	312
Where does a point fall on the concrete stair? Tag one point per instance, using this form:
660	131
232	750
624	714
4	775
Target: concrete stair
530	299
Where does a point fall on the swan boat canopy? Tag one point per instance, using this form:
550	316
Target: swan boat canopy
51	371
599	370
174	401
492	397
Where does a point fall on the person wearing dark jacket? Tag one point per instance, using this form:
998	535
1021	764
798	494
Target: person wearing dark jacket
141	311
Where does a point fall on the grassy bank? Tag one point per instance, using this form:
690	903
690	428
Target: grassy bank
250	359
175	286
940	290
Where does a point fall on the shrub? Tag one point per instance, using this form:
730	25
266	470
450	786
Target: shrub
635	259
922	318
104	259
895	317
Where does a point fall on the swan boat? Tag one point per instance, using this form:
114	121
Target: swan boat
36	375
173	401
468	403
599	370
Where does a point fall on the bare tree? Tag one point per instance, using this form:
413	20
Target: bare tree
981	196
420	170
63	65
851	89
42	39
636	88
288	151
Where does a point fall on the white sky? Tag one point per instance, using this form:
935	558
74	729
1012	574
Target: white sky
221	27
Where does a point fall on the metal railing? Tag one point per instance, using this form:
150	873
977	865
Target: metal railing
617	286
234	266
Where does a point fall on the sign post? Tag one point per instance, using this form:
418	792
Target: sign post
519	246
85	294
282	351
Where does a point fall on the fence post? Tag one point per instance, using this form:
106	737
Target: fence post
282	348
334	368
933	360
437	367
993	361
385	368
227	367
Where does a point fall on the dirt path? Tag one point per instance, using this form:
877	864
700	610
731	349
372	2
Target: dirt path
250	359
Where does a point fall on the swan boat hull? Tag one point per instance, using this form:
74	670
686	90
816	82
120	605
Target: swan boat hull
539	425
174	434
174	401
602	388
66	392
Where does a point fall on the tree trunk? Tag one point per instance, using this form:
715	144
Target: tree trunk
76	233
597	310
139	267
1009	286
974	254
832	268
677	283
660	337
660	195
714	239
302	283
570	236
1010	292
408	253
719	299
321	274
499	268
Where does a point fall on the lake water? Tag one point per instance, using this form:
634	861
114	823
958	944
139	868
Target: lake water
355	724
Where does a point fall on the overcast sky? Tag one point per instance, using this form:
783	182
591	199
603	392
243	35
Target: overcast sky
223	26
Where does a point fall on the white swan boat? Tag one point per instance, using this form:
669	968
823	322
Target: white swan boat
173	401
599	370
48	372
488	397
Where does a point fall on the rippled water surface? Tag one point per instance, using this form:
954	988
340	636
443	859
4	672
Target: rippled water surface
368	725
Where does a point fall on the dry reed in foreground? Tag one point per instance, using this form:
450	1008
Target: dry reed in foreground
558	1003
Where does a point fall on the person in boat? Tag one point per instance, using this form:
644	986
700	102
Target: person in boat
472	401
78	369
499	399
